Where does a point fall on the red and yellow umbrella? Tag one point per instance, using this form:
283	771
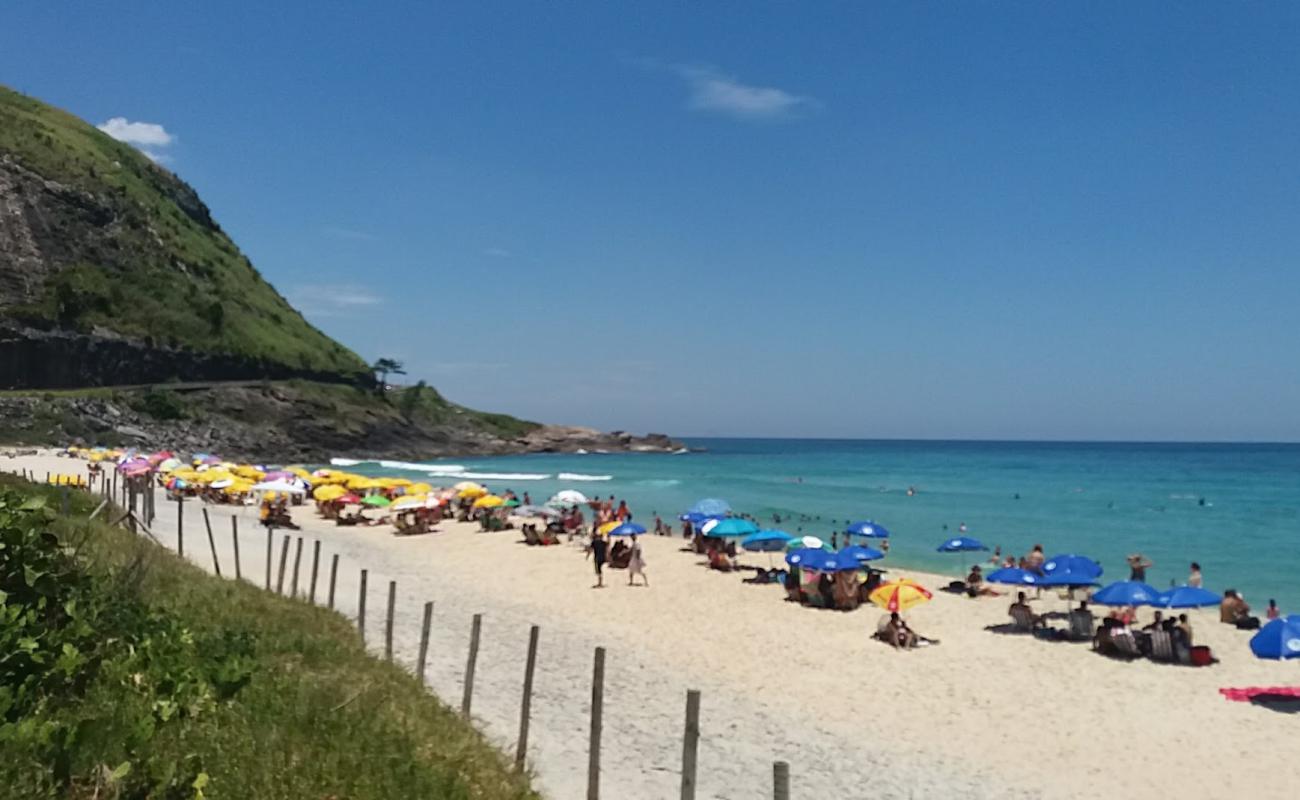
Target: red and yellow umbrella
900	595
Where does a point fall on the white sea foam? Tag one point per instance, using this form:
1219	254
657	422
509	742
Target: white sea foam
345	462
417	467
500	476
659	483
577	476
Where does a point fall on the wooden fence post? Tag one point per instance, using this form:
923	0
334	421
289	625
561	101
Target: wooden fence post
361	608
388	623
234	538
424	641
180	523
334	573
690	743
597	709
284	557
315	570
212	543
780	781
65	501
297	562
469	665
526	704
270	560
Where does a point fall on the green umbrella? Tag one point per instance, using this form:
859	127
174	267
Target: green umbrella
512	503
806	541
376	500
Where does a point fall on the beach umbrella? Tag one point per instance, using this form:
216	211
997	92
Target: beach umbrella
1279	638
1068	579
349	499
868	529
766	541
1078	565
604	530
277	475
223	483
510	503
329	492
568	497
961	544
711	507
489	501
626	529
1126	593
375	501
414	502
169	464
287	487
731	526
860	553
537	511
1187	597
463	485
811	558
472	492
900	595
1014	576
813	542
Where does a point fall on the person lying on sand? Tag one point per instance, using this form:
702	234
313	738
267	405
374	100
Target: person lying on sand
975	586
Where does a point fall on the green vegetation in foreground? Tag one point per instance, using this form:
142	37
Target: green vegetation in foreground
127	673
163	270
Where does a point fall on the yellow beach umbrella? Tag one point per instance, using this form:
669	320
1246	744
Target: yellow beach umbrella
900	595
604	530
489	501
329	492
473	491
419	488
463	485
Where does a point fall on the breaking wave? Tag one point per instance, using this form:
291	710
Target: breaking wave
577	476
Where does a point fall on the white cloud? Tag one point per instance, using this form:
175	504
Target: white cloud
713	91
140	134
331	300
497	252
145	136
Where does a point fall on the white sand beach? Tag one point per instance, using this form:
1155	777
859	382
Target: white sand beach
981	714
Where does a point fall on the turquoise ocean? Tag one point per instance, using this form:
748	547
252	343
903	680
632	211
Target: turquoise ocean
1234	508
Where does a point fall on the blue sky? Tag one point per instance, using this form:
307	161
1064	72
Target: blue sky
964	220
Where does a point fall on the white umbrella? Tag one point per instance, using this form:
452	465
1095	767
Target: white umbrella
568	497
279	486
223	483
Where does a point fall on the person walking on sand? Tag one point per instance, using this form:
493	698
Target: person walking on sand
636	565
598	549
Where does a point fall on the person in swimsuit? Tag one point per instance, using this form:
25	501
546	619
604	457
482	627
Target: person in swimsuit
598	549
636	565
1138	566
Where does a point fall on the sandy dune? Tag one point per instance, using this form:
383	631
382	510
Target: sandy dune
980	715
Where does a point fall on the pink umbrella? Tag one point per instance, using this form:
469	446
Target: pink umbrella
279	475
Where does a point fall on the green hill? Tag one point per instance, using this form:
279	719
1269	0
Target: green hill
97	240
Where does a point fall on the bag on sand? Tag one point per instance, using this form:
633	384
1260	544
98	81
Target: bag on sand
1201	656
1248	624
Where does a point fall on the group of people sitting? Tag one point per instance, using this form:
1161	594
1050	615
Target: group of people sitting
844	590
548	535
275	514
894	630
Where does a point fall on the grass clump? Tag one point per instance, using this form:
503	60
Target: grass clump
126	672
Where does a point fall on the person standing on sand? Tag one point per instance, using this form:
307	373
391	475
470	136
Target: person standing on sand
636	565
598	549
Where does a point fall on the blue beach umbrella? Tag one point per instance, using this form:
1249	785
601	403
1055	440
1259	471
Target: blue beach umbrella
731	526
628	529
1127	593
1187	597
860	553
766	541
1078	565
711	507
961	544
867	529
809	558
1067	578
1014	576
1280	638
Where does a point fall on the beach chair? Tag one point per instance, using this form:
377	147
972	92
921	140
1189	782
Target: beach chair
1125	644
1081	626
1162	646
1022	620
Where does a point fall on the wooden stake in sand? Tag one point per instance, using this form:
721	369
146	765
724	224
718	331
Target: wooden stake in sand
212	543
780	781
424	641
234	538
297	562
526	704
388	623
315	570
334	574
284	556
474	630
361	608
690	743
597	709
